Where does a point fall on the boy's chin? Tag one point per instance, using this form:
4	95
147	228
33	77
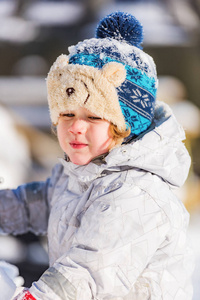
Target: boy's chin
81	161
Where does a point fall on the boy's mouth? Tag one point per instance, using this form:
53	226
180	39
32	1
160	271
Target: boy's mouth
77	145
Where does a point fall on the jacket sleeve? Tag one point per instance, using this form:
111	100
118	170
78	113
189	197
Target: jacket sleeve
27	207
112	252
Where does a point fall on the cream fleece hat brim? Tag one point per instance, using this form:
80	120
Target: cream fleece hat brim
72	86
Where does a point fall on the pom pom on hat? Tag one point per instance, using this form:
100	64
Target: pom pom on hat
122	27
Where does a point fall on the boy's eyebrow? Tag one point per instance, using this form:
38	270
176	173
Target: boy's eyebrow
65	113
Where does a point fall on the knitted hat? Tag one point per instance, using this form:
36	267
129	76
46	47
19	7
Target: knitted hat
109	75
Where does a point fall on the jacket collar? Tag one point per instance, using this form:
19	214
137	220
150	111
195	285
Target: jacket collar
159	151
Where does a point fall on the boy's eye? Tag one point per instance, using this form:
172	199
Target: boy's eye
67	115
94	118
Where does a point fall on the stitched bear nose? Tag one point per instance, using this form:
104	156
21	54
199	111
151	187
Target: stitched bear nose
70	91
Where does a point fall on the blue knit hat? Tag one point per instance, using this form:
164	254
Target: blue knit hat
109	75
118	39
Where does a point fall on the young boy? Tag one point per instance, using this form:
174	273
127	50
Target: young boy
115	228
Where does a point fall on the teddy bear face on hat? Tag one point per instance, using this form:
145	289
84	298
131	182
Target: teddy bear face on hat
72	86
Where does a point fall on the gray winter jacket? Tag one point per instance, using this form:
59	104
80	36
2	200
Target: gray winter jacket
115	228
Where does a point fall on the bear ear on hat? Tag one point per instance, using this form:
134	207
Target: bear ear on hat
62	60
114	72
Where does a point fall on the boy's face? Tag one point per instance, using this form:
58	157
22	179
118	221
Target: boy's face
82	135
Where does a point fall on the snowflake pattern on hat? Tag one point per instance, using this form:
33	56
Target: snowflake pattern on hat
137	122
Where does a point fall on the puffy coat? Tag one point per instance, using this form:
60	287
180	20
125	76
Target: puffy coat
115	228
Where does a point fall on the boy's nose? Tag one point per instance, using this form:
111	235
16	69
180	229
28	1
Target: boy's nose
78	127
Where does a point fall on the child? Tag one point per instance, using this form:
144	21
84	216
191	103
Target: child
115	228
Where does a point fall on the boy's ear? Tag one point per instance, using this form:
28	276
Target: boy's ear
114	72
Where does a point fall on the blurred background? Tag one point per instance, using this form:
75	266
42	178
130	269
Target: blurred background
32	34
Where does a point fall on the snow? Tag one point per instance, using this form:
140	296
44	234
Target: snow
23	90
186	111
17	30
54	13
7	285
115	48
14	165
11	249
7	8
